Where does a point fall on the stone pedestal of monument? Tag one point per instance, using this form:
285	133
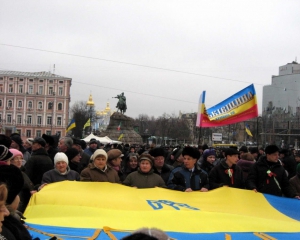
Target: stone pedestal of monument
129	135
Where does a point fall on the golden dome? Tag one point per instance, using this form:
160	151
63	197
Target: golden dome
90	102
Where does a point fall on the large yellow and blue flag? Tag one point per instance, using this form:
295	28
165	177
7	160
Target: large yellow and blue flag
101	210
71	125
201	109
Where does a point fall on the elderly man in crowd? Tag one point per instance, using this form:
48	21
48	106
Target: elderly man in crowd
93	146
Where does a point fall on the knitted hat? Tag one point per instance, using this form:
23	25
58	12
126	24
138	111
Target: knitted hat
15	152
192	152
113	154
99	152
146	157
271	149
17	139
209	152
156	152
60	156
5	154
71	153
13	178
93	140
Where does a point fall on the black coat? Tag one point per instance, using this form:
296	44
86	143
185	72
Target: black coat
219	176
259	179
37	165
165	172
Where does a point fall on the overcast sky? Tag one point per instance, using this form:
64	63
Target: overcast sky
185	46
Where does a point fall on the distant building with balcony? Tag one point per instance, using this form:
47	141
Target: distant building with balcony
33	103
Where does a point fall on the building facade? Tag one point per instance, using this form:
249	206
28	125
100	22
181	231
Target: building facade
33	103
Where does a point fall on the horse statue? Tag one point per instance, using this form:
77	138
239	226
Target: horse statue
121	105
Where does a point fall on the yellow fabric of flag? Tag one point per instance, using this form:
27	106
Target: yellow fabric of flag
87	124
248	131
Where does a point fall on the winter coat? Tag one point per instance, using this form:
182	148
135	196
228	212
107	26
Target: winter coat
182	178
206	166
245	165
55	176
264	182
220	176
165	172
140	179
93	174
25	194
295	183
37	165
14	226
290	165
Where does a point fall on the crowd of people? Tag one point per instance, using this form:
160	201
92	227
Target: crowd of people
27	167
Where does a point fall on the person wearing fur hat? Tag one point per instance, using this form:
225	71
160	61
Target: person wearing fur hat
295	181
227	173
289	163
39	162
98	170
114	157
61	171
28	186
17	143
268	175
189	177
159	166
12	226
209	157
49	147
74	159
144	177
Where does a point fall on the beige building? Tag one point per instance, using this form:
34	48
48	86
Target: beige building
33	103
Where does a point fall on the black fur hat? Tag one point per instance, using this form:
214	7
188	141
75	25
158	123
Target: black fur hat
155	152
192	152
13	178
271	149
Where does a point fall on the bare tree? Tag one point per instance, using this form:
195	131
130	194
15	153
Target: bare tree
80	115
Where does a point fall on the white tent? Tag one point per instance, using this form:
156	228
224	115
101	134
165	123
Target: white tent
103	140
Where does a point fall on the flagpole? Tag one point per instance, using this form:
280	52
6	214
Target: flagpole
257	138
199	136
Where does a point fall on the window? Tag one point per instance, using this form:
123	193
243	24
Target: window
58	121
41	81
30	80
40	105
30	89
39	120
59	106
11	79
10	88
60	91
49	120
20	104
50	105
8	118
29	119
21	80
20	88
61	82
1	78
50	81
0	103
48	132
41	90
9	103
38	133
30	105
28	133
1	87
19	119
50	91
19	131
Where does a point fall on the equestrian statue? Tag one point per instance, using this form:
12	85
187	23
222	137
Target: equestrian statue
121	105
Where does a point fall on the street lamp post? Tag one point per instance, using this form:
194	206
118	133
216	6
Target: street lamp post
90	105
